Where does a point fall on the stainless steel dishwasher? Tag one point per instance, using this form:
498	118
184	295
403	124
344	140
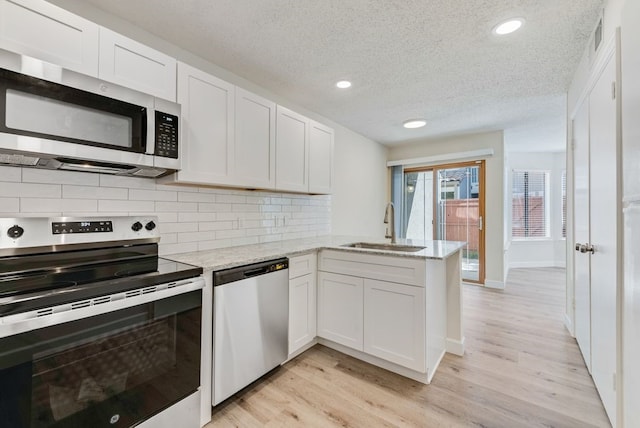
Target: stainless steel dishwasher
250	324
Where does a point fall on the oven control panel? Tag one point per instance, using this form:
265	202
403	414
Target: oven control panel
58	228
31	232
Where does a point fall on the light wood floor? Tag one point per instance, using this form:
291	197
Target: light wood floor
521	369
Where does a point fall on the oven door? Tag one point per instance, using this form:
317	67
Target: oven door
113	364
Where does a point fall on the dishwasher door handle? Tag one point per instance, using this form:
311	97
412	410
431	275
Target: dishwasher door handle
256	272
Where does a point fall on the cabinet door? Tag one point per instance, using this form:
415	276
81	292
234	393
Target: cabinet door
255	142
292	151
207	127
340	309
320	158
394	323
41	30
302	311
136	66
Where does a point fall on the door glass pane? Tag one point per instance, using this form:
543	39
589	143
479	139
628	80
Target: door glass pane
418	205
458	213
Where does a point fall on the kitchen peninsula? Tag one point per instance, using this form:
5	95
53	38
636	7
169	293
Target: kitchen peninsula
397	309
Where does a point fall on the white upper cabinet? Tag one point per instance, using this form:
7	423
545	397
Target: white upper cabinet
41	30
292	151
255	142
207	133
320	158
128	63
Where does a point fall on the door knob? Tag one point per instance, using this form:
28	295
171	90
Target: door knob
585	248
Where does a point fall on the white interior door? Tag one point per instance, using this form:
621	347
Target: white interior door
582	268
604	234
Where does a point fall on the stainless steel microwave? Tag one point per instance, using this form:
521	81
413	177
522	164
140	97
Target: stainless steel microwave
51	117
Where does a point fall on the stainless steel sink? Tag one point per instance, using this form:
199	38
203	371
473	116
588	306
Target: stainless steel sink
386	247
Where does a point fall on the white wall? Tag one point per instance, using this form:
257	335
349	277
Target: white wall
494	227
190	218
542	252
360	194
360	173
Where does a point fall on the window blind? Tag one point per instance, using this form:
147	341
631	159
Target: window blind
529	218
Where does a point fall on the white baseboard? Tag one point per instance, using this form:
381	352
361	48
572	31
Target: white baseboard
569	325
392	367
302	349
489	283
537	264
455	347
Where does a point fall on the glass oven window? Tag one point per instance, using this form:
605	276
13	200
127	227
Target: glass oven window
112	370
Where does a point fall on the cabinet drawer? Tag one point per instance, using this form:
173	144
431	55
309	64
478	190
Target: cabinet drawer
302	265
404	270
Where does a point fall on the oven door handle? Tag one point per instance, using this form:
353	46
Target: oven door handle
46	317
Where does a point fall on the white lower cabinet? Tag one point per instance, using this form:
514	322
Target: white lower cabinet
302	301
340	309
394	323
302	311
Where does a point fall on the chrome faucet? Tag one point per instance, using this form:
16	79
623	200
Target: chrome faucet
391	221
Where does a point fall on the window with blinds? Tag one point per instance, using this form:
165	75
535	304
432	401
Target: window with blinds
564	204
529	213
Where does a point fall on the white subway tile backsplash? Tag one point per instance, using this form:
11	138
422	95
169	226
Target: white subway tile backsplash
167	217
215	225
41	205
10	174
32	175
247	208
196	197
214	208
9	205
258	199
184	247
126	206
190	218
176	206
230	233
152	195
30	190
168	238
89	192
128	182
178	227
231	199
196	236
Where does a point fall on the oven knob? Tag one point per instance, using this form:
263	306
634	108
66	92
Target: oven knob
15	232
136	226
150	226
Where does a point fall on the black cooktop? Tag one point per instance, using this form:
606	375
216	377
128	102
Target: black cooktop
41	280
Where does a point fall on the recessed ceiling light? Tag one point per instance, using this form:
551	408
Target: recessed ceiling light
508	27
414	123
343	84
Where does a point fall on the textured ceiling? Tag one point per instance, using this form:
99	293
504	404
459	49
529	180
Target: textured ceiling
434	59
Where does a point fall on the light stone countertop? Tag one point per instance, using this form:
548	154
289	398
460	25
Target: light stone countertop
228	257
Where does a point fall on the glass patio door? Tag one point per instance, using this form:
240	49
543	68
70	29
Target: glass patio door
447	202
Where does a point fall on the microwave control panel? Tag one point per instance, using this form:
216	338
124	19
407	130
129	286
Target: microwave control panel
166	135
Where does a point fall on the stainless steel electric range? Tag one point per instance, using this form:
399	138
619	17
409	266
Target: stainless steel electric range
96	330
